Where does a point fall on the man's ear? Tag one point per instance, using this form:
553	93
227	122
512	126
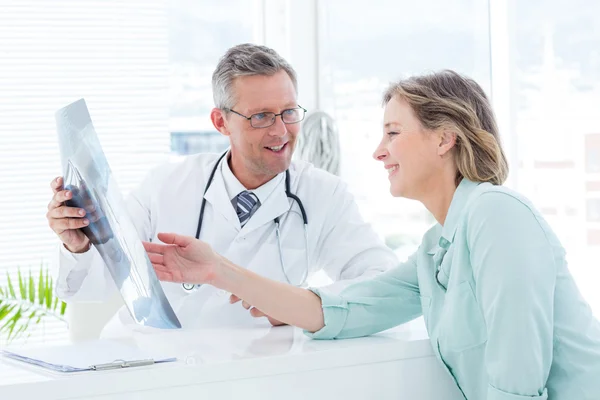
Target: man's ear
447	140
217	116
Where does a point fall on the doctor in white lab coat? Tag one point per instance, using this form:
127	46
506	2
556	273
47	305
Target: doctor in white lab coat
255	95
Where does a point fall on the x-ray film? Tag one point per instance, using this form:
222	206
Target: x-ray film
87	174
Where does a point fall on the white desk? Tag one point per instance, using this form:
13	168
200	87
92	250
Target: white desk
259	363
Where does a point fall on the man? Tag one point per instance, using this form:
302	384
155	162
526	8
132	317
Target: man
248	215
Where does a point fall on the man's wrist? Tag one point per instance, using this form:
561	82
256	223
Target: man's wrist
80	250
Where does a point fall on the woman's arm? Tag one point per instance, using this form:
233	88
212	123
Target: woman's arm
364	308
186	259
283	302
515	276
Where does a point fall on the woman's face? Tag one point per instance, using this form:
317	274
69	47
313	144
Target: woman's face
408	151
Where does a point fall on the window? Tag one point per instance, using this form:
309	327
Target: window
555	92
124	58
185	143
540	58
199	33
112	53
593	210
592	153
364	48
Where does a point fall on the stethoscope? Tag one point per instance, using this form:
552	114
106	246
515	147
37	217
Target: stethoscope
188	287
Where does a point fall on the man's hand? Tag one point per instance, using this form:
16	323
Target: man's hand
67	221
255	312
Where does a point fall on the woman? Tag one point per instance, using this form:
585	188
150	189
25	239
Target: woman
502	310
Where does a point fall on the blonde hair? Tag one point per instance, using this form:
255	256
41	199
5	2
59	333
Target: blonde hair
451	101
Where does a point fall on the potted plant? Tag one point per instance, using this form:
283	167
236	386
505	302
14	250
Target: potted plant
27	302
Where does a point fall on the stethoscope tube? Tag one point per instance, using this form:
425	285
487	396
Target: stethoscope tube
208	183
188	287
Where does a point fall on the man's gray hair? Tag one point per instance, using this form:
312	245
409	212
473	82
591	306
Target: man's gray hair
245	60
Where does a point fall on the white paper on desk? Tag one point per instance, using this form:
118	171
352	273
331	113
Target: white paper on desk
82	356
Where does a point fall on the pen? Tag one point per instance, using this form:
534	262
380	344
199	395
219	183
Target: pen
121	364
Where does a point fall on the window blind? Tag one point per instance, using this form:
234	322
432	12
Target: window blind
114	54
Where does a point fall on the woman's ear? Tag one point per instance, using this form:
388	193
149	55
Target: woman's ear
447	140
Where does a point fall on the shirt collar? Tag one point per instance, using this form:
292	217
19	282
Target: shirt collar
457	205
235	187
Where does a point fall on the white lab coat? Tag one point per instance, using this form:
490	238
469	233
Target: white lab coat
169	199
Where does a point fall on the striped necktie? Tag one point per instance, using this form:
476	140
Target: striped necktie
247	204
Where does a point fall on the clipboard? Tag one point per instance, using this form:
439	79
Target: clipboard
95	355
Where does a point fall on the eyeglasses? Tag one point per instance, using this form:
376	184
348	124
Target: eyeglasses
266	119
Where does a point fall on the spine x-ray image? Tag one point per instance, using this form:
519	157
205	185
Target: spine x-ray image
87	174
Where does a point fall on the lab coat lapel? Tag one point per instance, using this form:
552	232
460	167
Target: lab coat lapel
276	205
219	199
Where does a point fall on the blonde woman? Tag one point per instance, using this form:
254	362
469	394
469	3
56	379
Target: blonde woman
502	310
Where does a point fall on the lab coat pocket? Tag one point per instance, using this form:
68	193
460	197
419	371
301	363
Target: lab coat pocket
463	326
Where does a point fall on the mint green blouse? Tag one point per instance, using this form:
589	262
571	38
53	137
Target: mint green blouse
504	316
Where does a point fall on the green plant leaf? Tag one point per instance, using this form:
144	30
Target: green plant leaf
63	308
21	329
41	287
12	322
22	288
8	328
48	291
9	317
19	314
31	288
11	330
5	310
11	289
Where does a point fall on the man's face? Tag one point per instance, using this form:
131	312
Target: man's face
259	154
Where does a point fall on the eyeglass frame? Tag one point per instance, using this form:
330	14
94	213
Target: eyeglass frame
274	116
